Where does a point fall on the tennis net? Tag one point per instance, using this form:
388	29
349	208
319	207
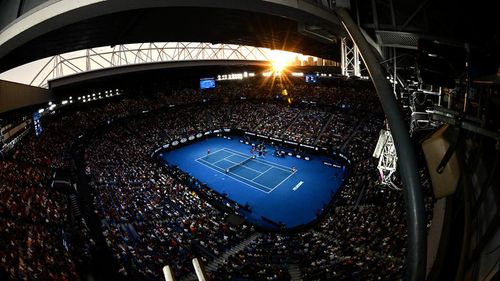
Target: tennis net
229	169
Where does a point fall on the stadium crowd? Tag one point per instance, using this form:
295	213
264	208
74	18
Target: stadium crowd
33	219
149	219
151	215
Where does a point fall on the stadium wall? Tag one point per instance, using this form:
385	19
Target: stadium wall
14	96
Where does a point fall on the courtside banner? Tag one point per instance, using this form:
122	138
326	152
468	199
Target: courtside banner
308	146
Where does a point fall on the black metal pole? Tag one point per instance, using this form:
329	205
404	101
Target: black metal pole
408	168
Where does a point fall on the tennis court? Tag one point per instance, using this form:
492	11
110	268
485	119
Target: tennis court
265	185
256	173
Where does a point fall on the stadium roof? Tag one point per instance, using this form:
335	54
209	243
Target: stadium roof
44	31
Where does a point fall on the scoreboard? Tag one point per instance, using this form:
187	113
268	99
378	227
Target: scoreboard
37	124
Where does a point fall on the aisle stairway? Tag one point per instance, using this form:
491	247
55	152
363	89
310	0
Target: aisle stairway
295	272
322	131
214	265
353	133
75	209
290	125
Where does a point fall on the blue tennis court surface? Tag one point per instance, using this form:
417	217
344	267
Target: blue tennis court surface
267	184
259	174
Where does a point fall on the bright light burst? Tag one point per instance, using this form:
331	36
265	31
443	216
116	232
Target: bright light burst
280	60
275	76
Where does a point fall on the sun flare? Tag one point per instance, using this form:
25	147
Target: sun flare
280	60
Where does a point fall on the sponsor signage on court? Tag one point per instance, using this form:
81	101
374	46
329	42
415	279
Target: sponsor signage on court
191	138
156	151
342	156
183	140
297	185
345	157
174	143
199	135
308	146
332	164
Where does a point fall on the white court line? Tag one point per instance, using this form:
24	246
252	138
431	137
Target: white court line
263	173
207	165
267	163
212	153
282	181
258	160
201	162
226	159
260	173
223	159
278	166
257	171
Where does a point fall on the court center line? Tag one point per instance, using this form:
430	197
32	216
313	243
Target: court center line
226	159
223	159
262	173
235	153
208	164
259	184
257	171
259	160
264	163
241	166
215	152
277	166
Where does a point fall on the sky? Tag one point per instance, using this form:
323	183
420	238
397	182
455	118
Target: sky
25	73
